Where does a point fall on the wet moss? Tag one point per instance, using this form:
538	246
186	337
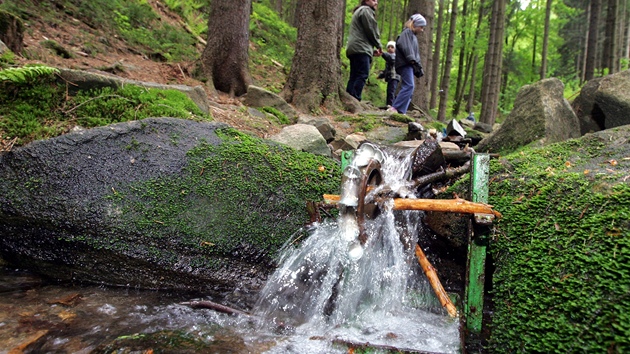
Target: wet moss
562	249
242	198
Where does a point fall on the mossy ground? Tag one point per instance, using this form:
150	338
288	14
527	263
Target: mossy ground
562	249
37	107
244	195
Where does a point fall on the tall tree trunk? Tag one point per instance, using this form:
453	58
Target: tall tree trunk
446	79
463	60
491	85
436	55
591	47
473	75
543	63
621	30
225	58
425	42
315	77
392	16
473	83
610	39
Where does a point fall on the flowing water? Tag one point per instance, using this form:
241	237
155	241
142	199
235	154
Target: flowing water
328	292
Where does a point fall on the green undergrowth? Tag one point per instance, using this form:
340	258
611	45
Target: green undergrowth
243	193
134	21
561	251
37	107
362	122
273	42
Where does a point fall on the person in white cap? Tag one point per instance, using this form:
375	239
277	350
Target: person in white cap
389	74
408	62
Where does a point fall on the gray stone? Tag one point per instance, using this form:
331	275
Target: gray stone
259	97
137	204
303	137
540	113
604	103
322	124
84	80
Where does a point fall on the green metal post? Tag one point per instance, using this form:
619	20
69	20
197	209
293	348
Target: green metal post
473	306
346	158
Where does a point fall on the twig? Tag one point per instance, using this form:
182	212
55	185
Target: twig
366	345
94	98
214	306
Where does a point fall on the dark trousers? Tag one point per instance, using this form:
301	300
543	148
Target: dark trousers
392	84
359	71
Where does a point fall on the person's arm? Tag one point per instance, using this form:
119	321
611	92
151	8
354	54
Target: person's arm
370	27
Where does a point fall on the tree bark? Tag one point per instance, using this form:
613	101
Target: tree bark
446	79
315	77
225	59
491	84
610	39
462	68
591	47
545	45
425	42
435	67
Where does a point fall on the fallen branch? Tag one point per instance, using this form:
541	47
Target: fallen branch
448	205
457	205
366	345
214	306
430	272
440	175
29	343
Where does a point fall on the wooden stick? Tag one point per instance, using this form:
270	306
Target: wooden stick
367	345
214	306
457	205
430	272
449	205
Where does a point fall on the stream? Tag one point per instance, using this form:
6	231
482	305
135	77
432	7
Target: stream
330	292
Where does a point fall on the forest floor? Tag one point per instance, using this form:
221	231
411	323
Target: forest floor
123	60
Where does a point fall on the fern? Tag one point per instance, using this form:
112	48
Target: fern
26	73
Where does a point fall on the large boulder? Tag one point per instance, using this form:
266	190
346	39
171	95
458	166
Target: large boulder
540	113
157	203
604	103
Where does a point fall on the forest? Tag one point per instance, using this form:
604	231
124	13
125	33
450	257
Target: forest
476	53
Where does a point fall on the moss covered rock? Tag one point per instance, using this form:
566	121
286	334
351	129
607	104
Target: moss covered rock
562	248
157	203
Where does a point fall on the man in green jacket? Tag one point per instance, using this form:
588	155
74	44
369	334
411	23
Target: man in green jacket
364	36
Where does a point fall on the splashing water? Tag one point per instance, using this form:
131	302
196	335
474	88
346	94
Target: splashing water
332	288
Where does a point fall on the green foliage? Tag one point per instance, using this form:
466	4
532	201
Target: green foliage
35	107
7	58
106	106
192	11
402	118
562	252
134	20
273	37
26	73
282	118
139	25
58	49
274	41
242	174
362	122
